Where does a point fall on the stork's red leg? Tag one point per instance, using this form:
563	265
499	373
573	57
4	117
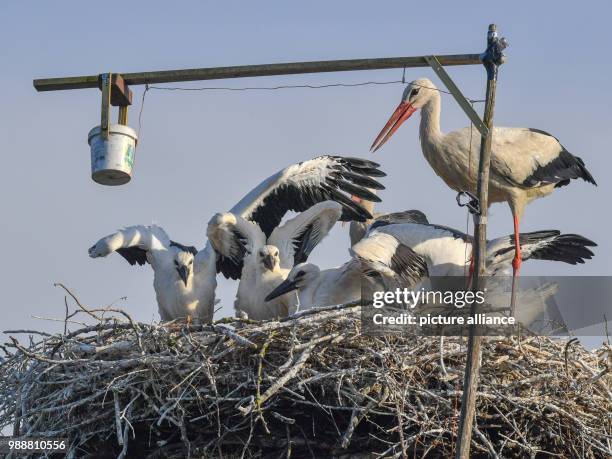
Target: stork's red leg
470	272
516	265
516	262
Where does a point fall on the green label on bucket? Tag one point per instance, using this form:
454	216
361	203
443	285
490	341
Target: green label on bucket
129	156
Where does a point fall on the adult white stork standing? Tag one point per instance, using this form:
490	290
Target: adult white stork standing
294	188
184	278
525	163
266	261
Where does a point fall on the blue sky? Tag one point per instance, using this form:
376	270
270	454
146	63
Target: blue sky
200	152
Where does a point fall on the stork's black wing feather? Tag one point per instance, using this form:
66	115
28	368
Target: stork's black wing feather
185	248
563	168
231	267
394	218
300	186
408	265
551	245
133	255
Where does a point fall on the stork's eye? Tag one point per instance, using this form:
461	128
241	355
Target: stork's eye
414	92
190	262
300	274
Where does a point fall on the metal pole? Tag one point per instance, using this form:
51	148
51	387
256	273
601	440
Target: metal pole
491	59
107	79
290	68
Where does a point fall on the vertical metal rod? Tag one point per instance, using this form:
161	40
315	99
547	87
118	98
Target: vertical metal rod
123	115
472	366
106	98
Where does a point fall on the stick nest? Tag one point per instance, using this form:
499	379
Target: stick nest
307	386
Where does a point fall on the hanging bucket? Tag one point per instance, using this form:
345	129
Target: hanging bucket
112	159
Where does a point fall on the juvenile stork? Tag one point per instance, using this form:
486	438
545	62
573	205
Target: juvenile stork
525	163
408	253
302	185
443	249
267	261
184	278
379	257
358	230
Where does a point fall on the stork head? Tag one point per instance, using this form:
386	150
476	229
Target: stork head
183	263
268	257
415	96
299	277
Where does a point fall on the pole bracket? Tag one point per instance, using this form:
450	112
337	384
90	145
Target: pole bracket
494	55
121	94
469	200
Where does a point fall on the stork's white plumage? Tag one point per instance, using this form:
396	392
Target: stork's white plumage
184	278
380	257
526	163
300	186
358	230
266	261
296	187
444	250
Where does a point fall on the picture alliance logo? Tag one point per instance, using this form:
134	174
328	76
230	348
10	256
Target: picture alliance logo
413	298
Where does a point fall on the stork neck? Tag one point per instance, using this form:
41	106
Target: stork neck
429	129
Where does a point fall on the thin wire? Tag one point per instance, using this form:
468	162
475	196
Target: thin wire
142	101
274	88
302	86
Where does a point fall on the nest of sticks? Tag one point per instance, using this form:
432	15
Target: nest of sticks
311	385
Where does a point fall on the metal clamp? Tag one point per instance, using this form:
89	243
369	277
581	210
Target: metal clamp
494	56
473	203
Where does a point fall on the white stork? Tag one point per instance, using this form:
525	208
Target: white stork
381	258
267	261
300	186
443	250
525	164
408	253
184	278
358	230
296	187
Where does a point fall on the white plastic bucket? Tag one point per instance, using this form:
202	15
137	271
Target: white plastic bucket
112	160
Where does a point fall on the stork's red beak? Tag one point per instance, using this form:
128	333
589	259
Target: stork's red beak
401	114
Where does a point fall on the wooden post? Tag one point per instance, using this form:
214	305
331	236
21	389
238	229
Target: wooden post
491	59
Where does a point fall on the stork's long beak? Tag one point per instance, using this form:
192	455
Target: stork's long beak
183	273
401	114
268	262
285	287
